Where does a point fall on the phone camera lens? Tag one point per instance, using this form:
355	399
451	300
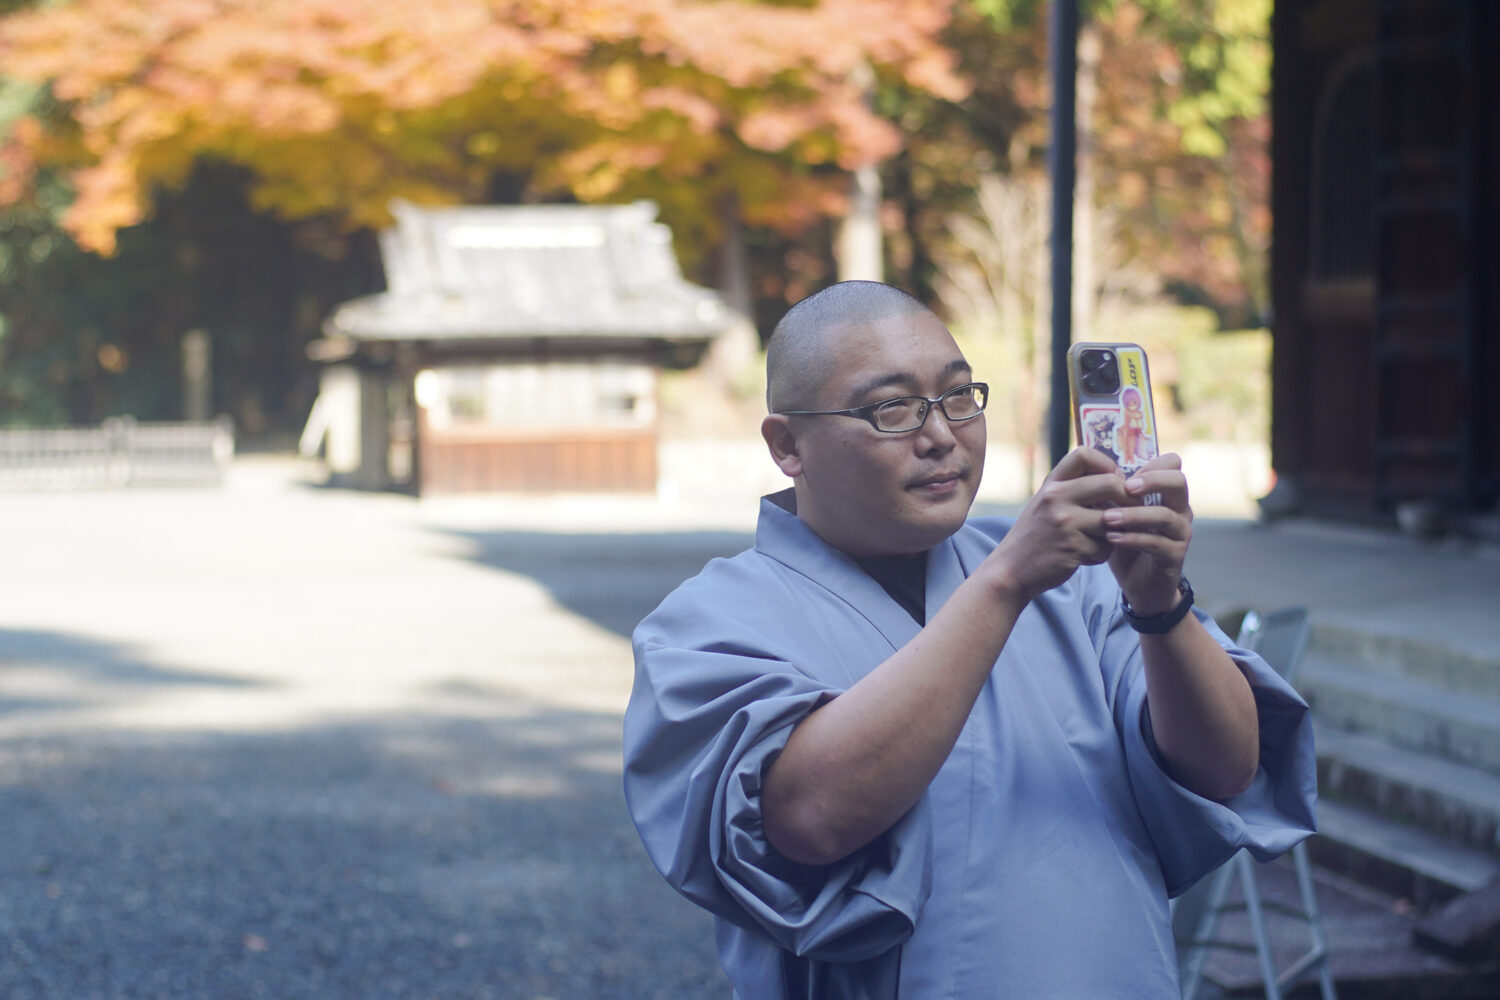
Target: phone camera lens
1096	360
1099	372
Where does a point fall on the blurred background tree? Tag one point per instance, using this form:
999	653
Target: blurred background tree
1171	198
172	164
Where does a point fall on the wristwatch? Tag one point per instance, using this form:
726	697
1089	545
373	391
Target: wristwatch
1164	622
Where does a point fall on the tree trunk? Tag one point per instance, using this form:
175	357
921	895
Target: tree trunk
916	265
733	278
860	253
1085	221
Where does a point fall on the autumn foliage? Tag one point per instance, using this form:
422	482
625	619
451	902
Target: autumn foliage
339	106
231	159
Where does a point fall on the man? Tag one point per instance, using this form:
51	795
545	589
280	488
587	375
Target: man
901	754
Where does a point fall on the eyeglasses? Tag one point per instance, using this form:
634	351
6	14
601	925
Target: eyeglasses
907	413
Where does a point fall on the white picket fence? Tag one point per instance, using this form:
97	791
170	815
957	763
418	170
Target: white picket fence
121	452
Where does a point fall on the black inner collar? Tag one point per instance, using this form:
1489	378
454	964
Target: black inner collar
904	577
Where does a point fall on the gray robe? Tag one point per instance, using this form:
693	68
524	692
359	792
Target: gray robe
1040	860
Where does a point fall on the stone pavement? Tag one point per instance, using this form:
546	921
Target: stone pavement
280	741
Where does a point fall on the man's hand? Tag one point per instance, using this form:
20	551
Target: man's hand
1151	542
1063	526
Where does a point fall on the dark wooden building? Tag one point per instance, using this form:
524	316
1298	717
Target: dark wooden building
517	348
1385	265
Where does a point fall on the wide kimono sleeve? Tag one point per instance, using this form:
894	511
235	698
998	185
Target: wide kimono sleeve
1193	835
722	677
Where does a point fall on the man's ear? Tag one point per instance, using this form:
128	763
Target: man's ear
782	440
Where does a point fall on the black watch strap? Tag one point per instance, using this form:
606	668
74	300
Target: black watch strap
1164	622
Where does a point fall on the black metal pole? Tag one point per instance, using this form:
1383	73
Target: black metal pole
1062	61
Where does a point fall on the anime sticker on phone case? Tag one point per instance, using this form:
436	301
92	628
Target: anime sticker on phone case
1119	421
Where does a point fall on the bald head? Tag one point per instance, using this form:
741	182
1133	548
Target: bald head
798	352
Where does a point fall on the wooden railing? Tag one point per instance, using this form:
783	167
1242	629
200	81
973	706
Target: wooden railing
121	452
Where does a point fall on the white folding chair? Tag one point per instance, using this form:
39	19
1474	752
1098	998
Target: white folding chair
1279	637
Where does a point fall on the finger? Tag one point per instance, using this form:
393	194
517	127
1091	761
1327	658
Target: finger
1155	532
1165	551
1170	485
1169	460
1088	547
1096	492
1161	522
1082	462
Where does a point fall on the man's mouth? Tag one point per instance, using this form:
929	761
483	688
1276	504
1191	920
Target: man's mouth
938	482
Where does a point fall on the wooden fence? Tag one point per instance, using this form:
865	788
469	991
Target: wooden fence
557	461
122	452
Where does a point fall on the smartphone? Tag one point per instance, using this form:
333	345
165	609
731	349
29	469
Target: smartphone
1112	409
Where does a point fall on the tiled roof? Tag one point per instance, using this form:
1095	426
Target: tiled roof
531	271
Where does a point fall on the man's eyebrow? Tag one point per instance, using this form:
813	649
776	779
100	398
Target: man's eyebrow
958	366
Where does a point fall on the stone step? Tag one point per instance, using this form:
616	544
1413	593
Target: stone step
1414	714
1452	800
1397	858
1372	952
1447	661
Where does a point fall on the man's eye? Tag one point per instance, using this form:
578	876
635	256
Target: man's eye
893	407
965	401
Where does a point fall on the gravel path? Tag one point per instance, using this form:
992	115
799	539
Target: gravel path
279	742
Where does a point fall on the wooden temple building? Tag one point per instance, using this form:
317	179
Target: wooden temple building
516	348
1386	258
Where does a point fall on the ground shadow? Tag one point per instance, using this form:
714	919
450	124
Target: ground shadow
81	669
404	858
613	580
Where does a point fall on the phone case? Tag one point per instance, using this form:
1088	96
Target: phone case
1121	422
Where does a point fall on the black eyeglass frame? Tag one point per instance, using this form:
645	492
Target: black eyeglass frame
867	412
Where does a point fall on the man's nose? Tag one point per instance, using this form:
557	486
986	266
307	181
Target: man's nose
936	434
